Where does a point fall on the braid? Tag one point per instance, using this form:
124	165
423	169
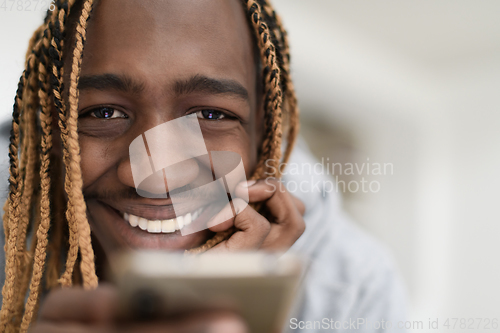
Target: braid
56	241
24	135
76	196
42	232
14	201
45	215
272	90
59	244
29	160
46	123
56	49
289	89
29	135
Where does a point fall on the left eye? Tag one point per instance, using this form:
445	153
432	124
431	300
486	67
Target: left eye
107	113
210	114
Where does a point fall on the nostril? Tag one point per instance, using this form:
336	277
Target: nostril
153	186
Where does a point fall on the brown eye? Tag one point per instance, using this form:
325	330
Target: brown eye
107	113
210	114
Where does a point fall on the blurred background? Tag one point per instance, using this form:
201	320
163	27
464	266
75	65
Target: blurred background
411	83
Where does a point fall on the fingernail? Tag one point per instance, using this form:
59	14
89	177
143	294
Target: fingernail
248	183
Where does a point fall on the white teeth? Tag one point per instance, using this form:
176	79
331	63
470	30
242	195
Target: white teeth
162	226
187	219
179	223
143	223
133	220
154	226
196	214
168	225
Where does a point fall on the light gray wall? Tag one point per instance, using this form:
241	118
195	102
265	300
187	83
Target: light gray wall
413	83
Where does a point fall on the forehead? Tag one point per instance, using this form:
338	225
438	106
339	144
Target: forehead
158	40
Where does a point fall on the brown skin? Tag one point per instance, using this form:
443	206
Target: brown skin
157	44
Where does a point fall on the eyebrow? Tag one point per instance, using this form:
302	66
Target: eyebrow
195	84
204	84
110	82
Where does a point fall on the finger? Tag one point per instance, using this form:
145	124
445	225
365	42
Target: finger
77	304
288	228
278	199
286	212
252	229
223	220
258	190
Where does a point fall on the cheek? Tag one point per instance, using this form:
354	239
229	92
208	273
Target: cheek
95	160
239	141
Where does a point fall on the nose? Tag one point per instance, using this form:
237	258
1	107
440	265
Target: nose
156	184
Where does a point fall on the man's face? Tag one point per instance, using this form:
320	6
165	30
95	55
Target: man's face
146	63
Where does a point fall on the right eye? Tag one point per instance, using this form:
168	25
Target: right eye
107	113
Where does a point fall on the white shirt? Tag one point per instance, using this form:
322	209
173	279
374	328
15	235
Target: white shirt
352	284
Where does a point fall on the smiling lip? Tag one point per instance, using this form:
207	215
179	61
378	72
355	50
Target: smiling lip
155	209
165	225
159	218
112	222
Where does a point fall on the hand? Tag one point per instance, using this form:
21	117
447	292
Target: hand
75	310
254	231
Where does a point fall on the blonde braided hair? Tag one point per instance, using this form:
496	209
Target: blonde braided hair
36	202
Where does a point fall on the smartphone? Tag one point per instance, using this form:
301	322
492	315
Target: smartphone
259	286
